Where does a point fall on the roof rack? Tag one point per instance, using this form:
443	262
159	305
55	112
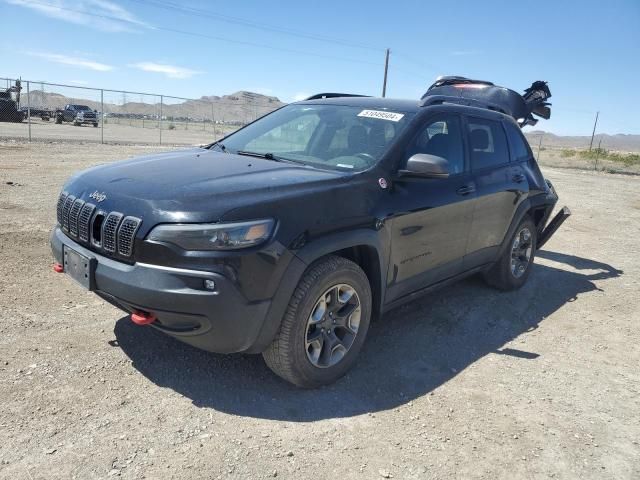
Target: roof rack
483	94
319	96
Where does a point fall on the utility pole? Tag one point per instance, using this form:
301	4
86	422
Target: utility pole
594	130
386	69
539	147
102	116
595	167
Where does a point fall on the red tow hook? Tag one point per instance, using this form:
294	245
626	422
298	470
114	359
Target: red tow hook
57	267
142	318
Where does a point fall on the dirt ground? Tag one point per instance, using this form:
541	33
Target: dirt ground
464	383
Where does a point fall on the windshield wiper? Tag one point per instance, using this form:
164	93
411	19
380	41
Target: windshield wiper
271	156
268	156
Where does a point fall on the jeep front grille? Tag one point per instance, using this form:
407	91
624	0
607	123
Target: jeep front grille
112	234
65	211
84	221
60	208
126	233
109	229
73	216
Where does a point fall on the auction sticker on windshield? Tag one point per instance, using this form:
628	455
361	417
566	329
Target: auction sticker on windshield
394	117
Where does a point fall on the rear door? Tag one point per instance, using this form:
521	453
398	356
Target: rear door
432	215
500	187
522	160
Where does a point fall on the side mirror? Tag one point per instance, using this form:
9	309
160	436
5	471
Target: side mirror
426	165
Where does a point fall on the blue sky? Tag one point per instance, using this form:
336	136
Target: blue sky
588	51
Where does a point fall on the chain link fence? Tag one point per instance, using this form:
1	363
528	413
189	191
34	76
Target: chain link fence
49	111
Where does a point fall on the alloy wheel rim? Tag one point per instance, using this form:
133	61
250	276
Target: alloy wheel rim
521	251
332	325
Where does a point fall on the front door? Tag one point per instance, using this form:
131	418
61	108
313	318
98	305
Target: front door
432	216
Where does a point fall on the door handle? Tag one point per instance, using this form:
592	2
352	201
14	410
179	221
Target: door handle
466	190
518	178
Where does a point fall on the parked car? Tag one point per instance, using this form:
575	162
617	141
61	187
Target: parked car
290	235
78	114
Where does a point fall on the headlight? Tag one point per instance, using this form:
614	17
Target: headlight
214	236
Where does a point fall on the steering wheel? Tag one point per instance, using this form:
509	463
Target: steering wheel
366	156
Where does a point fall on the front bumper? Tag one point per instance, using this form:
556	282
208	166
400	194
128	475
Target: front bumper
222	320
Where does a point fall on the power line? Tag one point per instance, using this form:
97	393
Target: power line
210	37
283	30
416	62
257	25
241	21
252	44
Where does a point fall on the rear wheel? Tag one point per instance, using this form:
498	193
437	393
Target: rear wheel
324	326
512	270
58	119
95	125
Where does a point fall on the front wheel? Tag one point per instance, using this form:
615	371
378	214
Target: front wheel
324	326
512	270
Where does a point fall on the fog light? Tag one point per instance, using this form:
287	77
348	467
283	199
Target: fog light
210	285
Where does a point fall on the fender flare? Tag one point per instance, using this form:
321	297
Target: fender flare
367	237
302	259
535	202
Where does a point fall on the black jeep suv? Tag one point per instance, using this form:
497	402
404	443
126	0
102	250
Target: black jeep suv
288	236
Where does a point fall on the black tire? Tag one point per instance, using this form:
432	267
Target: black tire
288	355
77	124
59	119
506	276
95	125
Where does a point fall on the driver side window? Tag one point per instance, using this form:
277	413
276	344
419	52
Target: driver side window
441	136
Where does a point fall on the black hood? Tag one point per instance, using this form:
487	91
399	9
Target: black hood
195	185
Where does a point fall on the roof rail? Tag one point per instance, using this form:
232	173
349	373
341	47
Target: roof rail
470	102
319	96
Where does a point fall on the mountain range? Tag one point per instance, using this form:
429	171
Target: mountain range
240	107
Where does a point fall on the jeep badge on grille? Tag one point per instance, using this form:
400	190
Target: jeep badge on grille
98	196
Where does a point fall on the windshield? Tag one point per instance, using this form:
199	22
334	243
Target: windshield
325	136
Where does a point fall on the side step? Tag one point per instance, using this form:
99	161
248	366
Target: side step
553	225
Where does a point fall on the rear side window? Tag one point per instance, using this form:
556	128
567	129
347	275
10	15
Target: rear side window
517	143
487	142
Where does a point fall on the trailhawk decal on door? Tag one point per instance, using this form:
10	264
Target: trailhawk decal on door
394	117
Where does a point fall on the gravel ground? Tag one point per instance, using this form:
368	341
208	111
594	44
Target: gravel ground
464	383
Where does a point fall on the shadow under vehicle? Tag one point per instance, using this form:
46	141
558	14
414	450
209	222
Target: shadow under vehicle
414	350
